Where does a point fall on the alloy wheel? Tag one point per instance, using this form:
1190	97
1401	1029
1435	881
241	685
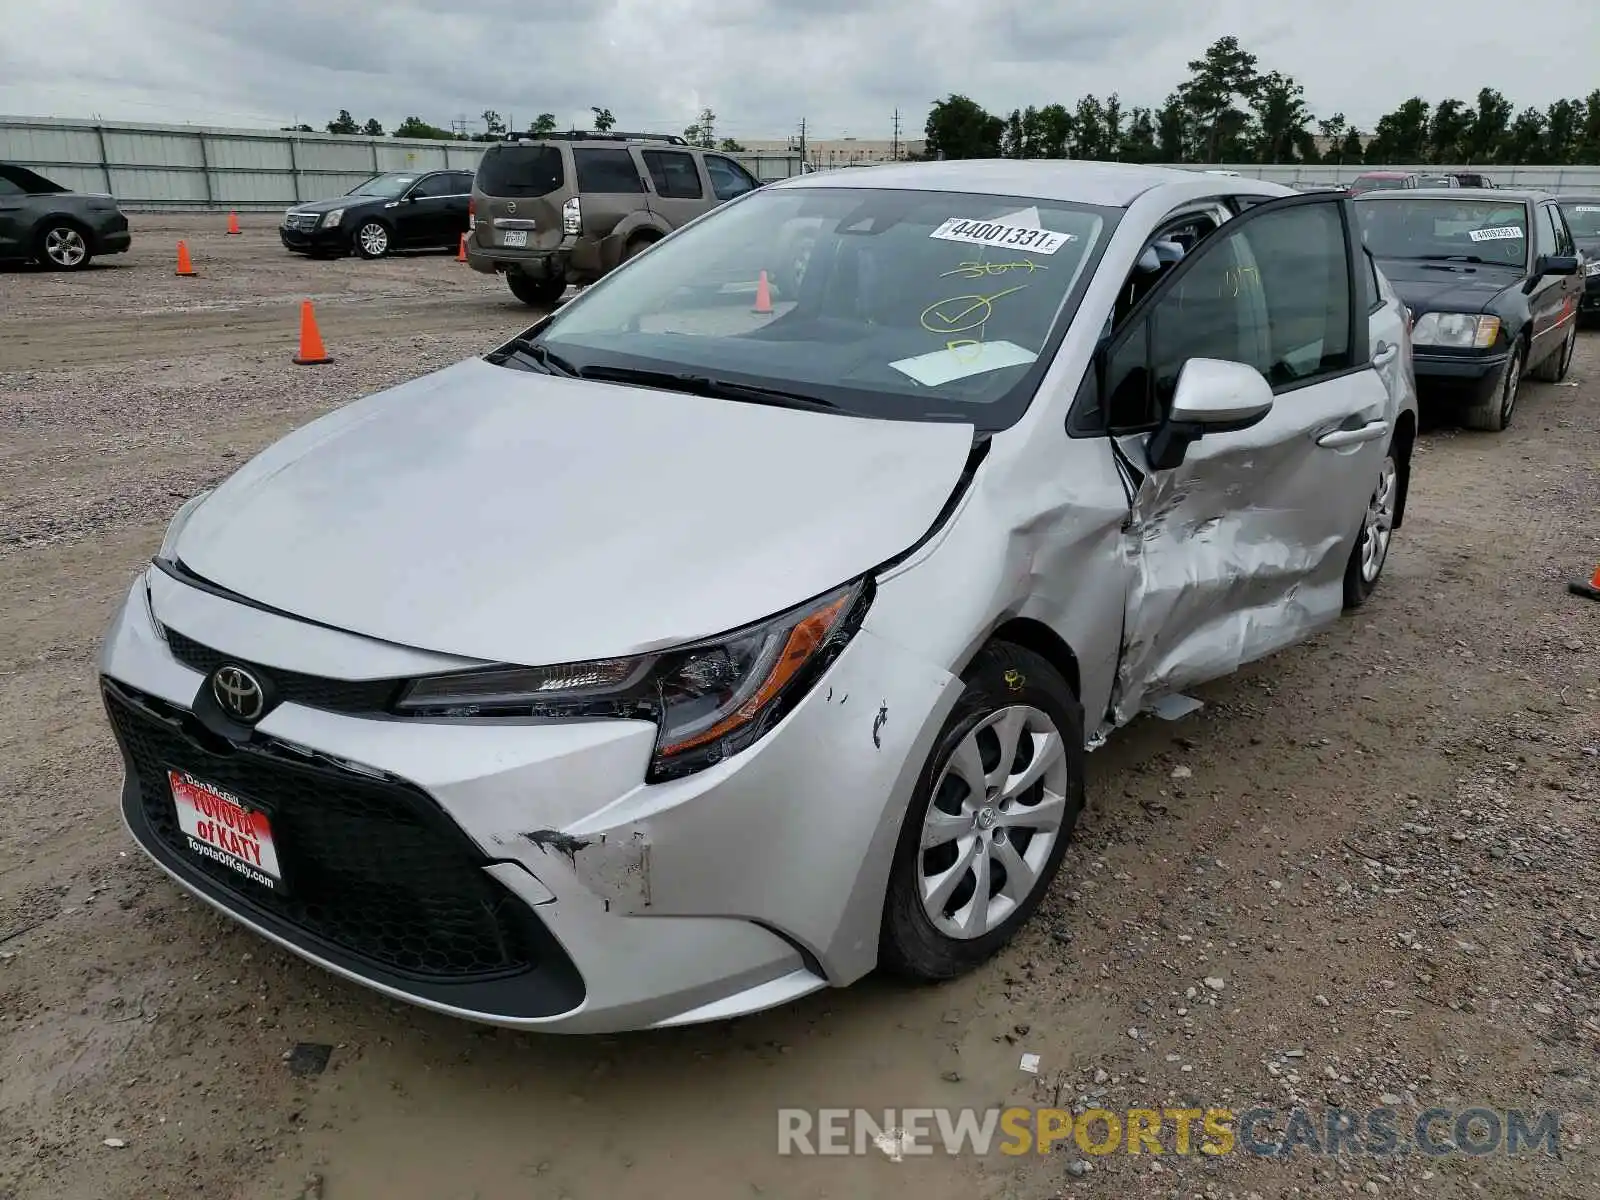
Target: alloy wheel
996	813
65	246
1513	381
1380	521
374	239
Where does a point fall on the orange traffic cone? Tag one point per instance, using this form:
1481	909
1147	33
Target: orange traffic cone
1590	589
312	351
461	255
233	224
185	267
763	295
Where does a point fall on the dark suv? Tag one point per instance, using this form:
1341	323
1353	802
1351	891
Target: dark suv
568	208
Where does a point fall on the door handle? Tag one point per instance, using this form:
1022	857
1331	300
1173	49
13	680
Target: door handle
1385	355
1339	439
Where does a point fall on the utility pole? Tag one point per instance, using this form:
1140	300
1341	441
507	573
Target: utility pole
894	153
803	159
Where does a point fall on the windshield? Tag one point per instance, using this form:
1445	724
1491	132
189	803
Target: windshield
1488	231
1583	217
1377	183
386	186
913	304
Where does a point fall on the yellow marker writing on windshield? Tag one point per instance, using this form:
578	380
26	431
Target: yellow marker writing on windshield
947	316
973	270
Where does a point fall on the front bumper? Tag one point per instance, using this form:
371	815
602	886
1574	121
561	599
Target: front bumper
1456	377
306	241
540	883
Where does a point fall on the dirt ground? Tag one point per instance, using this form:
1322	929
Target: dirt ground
1364	873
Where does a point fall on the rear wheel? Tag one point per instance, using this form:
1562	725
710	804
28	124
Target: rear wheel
63	246
540	293
990	818
1494	414
637	247
1554	368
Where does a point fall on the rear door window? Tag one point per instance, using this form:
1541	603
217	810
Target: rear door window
521	171
674	174
606	171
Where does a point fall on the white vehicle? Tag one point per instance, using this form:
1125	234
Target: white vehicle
744	624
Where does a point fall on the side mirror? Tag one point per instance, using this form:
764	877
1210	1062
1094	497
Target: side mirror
1212	396
1556	264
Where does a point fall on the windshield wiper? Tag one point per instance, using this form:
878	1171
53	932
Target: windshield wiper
1466	258
706	385
542	355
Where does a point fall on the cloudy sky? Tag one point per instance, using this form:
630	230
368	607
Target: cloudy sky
762	65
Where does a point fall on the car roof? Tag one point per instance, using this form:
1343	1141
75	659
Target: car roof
1072	181
1458	193
1577	198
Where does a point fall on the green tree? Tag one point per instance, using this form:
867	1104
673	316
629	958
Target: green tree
1111	139
1524	141
343	123
1490	122
1089	129
703	132
1353	148
1563	123
493	124
1223	76
1173	137
544	123
959	127
1447	132
416	127
1588	149
1281	115
372	128
603	120
1139	139
1055	131
1402	135
729	146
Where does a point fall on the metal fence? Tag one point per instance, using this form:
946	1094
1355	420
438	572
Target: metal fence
196	167
176	167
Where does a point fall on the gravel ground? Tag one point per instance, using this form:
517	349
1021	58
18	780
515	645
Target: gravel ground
1365	873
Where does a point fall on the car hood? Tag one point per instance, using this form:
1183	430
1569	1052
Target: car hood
326	206
499	514
1426	288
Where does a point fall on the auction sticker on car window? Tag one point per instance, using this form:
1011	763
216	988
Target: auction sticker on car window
220	827
998	233
1500	233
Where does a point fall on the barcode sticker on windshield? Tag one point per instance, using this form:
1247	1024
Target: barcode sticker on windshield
1501	233
1586	208
997	233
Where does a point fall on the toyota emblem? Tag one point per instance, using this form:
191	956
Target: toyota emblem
239	692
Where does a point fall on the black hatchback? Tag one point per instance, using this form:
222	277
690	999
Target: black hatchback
1491	279
400	210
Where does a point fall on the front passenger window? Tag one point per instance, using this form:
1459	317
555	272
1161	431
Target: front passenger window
1273	293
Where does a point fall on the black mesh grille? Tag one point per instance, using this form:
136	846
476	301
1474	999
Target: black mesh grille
333	695
372	867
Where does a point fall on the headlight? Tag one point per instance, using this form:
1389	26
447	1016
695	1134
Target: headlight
169	540
333	218
708	700
1464	331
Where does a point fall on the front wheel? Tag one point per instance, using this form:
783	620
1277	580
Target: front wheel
540	293
1494	414
371	239
1362	572
63	247
990	818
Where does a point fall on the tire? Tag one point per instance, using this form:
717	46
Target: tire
1005	684
539	293
1371	551
1554	369
372	239
636	247
1494	414
63	246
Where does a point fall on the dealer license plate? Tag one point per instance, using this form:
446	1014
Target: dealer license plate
219	826
514	237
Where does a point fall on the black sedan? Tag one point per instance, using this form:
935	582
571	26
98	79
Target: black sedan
60	229
1583	218
1491	278
402	210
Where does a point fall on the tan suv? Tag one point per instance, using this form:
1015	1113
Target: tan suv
567	208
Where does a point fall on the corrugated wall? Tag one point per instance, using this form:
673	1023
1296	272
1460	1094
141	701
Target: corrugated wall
192	166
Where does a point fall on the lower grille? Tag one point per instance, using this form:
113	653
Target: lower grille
373	867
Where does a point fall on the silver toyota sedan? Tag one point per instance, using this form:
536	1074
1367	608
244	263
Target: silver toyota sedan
743	625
